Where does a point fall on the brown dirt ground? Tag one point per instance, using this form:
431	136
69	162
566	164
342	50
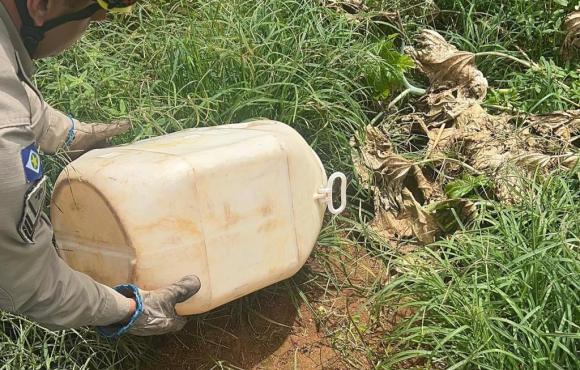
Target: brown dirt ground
267	331
250	343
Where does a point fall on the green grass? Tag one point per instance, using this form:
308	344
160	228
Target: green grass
501	295
529	30
534	26
25	345
178	64
545	89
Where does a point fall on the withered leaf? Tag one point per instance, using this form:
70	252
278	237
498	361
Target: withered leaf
423	224
562	125
395	182
571	160
362	173
532	161
411	222
447	67
390	171
571	44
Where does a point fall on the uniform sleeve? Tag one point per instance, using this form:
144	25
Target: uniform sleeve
34	281
49	125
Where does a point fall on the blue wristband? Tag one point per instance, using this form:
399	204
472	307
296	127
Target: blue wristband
70	137
114	331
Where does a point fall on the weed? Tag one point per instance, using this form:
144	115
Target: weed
501	296
25	345
544	89
176	65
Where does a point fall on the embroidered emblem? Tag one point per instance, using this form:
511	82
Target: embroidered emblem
31	163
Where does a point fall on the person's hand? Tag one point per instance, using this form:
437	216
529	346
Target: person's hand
87	136
155	310
159	316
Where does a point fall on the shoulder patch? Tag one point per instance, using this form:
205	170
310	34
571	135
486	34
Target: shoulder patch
33	204
31	163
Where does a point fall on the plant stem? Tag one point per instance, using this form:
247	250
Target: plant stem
507	56
398	98
409	89
413	89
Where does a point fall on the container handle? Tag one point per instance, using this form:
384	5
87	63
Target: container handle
325	194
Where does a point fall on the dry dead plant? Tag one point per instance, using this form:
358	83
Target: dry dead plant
462	139
571	44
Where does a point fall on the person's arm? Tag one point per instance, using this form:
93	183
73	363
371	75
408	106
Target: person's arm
76	136
34	281
57	130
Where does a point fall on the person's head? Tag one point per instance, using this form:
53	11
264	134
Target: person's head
48	27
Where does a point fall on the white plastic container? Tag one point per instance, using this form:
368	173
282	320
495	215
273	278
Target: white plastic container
240	206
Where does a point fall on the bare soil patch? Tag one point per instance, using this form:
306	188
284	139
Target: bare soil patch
275	328
276	335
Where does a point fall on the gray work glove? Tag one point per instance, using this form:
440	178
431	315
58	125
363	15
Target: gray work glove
86	136
155	314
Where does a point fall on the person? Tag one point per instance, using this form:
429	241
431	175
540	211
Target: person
34	280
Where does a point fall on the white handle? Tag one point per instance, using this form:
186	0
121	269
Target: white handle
325	194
